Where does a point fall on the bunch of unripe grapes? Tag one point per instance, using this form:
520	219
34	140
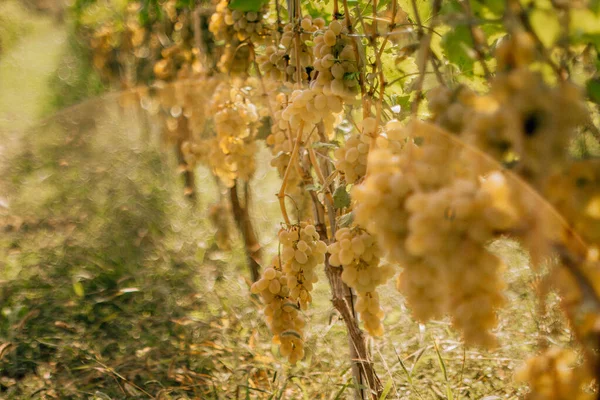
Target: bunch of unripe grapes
335	63
351	159
281	313
555	375
358	253
226	24
301	253
435	218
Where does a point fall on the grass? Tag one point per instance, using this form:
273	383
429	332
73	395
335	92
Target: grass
112	285
14	25
26	67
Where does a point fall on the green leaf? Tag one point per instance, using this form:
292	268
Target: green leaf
424	8
189	4
348	76
546	25
313	187
593	90
78	289
264	128
345	220
386	389
342	390
449	394
324	145
341	198
457	45
246	5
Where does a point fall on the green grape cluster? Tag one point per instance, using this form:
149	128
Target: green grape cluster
336	66
310	106
279	62
301	253
358	253
555	375
435	217
232	153
281	144
226	24
523	121
351	159
281	312
274	64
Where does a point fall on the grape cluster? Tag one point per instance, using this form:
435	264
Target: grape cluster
522	122
358	253
301	253
554	375
274	64
281	145
335	63
450	108
195	152
575	192
226	24
541	120
311	106
281	312
515	51
435	217
280	62
232	154
351	159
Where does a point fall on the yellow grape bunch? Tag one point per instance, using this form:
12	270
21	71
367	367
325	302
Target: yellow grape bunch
351	159
336	62
281	144
556	375
435	217
279	61
358	253
229	25
301	253
286	286
232	153
281	312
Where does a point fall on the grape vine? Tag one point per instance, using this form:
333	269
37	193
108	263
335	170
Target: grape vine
399	153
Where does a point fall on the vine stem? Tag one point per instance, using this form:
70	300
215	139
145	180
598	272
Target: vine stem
315	164
281	194
425	50
466	4
242	218
361	74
